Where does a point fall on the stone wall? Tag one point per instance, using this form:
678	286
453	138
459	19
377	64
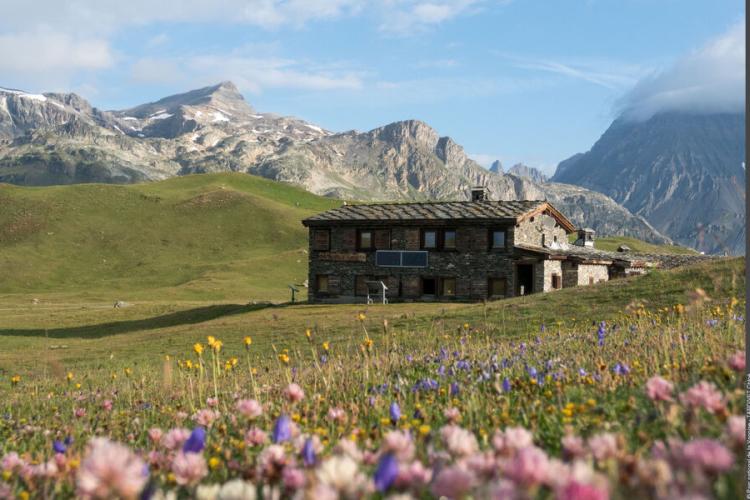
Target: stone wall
543	272
542	229
596	272
472	264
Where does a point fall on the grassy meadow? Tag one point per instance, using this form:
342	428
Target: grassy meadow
208	385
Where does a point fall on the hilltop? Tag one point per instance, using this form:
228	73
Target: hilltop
205	236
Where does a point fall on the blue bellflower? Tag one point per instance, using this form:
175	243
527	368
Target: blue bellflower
196	441
386	472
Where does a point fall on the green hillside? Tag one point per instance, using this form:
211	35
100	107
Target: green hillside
203	236
611	243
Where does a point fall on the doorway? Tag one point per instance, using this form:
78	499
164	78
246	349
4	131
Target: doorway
429	286
524	279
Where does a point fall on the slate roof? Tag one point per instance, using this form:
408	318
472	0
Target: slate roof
446	210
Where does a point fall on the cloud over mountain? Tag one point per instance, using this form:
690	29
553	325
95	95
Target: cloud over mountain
708	80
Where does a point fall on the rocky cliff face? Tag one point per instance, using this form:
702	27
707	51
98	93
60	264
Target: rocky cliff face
60	138
528	172
682	172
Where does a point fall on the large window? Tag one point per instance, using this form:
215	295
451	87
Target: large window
497	240
497	287
429	239
400	258
321	284
364	239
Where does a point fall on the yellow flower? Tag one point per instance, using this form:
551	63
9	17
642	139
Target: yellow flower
198	348
78	386
367	344
361	316
210	340
424	429
128	372
326	345
6	475
308	334
248	341
69	376
24	495
214	462
466	326
15	379
217	345
284	358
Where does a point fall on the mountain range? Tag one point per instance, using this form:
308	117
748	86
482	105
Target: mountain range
683	172
56	138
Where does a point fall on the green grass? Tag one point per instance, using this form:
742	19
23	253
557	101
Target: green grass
207	237
611	243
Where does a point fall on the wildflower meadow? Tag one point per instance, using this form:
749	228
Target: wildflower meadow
642	404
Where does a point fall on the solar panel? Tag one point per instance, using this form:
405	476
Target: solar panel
414	259
388	258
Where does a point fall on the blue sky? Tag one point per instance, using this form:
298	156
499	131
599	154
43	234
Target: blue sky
515	80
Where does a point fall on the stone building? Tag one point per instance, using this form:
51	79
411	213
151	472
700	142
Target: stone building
468	250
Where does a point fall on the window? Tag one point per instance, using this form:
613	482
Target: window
400	258
365	240
544	239
322	283
429	239
497	287
449	239
449	287
498	239
554	238
556	281
429	286
321	239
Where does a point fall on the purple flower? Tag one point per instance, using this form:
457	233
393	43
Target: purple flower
506	385
712	322
395	412
454	389
196	441
441	370
59	447
600	333
282	429
386	472
582	372
532	371
621	369
308	453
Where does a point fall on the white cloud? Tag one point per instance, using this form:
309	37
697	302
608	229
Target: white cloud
710	79
404	17
604	73
252	74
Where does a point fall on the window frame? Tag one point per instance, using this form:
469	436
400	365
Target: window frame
359	240
491	239
492	279
455	240
326	230
442	286
423	239
327	278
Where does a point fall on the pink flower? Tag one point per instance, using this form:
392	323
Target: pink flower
175	438
511	440
400	444
737	361
603	446
11	462
212	402
453	482
482	464
659	389
155	434
572	446
349	448
579	491
453	415
110	470
79	412
189	468
255	437
294	393
528	467
293	478
703	395
708	455
337	415
414	475
206	417
107	405
249	408
458	441
736	430
272	461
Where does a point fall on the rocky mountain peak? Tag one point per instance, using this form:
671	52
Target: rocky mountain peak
497	167
407	132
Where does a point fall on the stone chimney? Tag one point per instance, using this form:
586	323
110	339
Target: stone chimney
479	193
585	238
